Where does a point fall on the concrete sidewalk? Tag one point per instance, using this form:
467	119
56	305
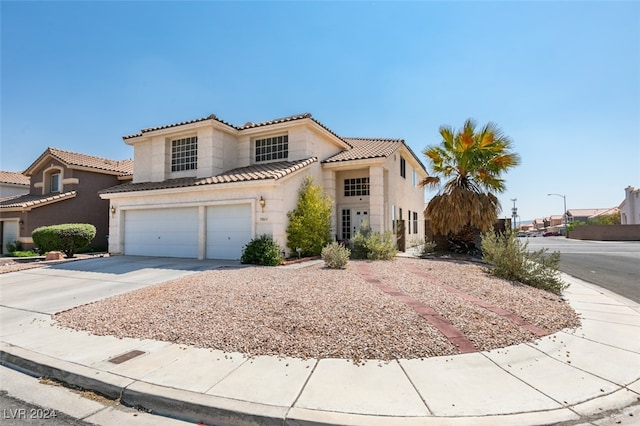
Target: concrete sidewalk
565	377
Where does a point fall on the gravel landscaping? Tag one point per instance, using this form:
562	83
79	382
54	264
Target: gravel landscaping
314	312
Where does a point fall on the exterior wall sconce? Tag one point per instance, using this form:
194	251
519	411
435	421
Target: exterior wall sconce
21	222
113	211
262	203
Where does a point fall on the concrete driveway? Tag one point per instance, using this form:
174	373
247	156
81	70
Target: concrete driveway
41	292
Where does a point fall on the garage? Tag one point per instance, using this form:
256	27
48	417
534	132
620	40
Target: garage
228	230
170	232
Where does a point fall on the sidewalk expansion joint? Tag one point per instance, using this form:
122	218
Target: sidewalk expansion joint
25	310
482	303
444	326
304	385
424	401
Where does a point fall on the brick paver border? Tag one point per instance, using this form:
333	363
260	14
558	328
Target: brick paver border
455	336
482	303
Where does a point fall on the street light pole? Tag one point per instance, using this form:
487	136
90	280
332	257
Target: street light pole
514	213
564	197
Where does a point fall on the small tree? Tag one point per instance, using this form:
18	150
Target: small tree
310	223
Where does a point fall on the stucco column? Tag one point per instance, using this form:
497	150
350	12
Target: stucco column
376	198
329	184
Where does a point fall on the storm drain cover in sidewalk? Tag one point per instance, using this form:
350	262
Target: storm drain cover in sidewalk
125	357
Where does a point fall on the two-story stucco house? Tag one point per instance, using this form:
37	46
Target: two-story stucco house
63	189
204	188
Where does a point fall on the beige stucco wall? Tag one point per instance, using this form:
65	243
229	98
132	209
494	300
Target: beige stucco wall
221	149
9	190
404	194
280	197
630	211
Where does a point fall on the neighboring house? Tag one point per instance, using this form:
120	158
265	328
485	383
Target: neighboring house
63	189
204	188
539	224
13	183
582	215
630	207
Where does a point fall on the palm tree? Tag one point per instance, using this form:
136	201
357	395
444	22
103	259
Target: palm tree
471	164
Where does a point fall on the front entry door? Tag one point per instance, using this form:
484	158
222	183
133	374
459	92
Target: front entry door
358	216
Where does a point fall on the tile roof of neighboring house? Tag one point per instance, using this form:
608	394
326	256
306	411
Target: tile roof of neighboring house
612	210
122	167
586	212
255	172
248	125
30	201
15	178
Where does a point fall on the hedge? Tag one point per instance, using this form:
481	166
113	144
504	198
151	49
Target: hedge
68	238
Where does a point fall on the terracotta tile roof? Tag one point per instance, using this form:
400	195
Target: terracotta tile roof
15	178
122	167
588	212
364	148
182	123
273	171
249	125
28	200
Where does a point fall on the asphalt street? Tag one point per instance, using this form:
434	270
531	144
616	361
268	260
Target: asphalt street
614	265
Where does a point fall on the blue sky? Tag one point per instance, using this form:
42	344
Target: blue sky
562	79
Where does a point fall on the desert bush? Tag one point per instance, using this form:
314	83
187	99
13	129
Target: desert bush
335	255
427	248
68	238
262	251
310	223
372	245
510	259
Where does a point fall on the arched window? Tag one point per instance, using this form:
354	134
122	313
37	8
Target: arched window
52	183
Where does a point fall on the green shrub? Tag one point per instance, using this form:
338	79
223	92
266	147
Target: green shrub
68	238
372	245
14	246
23	253
335	255
511	260
310	223
262	251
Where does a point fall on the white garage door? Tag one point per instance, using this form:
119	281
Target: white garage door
228	231
162	232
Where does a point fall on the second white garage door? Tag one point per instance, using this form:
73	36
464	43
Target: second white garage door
162	232
228	230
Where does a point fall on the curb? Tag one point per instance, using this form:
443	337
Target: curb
214	410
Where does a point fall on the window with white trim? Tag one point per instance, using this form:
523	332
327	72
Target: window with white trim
273	148
415	222
346	224
403	167
356	187
184	154
54	182
414	177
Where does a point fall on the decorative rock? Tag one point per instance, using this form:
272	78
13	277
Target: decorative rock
54	255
